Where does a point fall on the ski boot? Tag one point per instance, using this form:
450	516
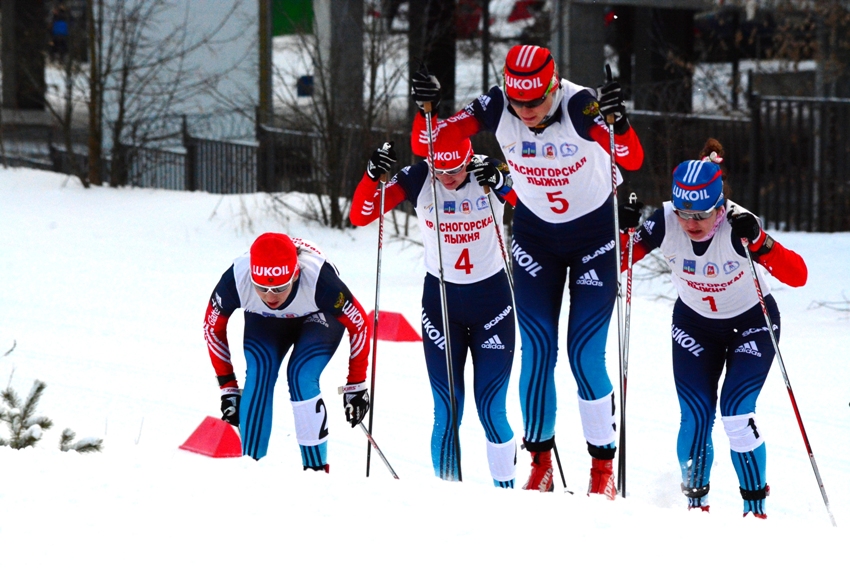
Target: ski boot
602	479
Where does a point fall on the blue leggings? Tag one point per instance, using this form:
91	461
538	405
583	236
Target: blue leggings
266	341
481	322
701	348
544	256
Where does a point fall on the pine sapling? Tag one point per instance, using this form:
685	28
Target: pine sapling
84	446
25	426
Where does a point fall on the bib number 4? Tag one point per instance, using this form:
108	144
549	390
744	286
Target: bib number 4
463	262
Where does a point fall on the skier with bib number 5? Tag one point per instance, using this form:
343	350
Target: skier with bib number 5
479	305
717	320
556	143
293	298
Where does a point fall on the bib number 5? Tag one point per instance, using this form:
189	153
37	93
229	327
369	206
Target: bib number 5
561	204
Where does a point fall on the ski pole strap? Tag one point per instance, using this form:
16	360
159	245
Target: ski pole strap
352	387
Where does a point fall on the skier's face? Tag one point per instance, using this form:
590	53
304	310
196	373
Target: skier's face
698	229
532	116
452	180
272	299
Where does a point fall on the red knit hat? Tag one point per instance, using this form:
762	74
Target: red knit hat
274	260
529	72
451	154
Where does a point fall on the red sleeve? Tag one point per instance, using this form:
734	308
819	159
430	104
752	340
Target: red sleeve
510	197
627	146
367	199
215	333
784	264
639	251
461	125
353	317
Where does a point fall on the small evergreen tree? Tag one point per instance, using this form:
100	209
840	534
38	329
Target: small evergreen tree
26	427
84	446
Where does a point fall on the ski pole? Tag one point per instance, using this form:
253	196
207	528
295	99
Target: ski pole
496	224
560	469
785	378
443	299
378	450
381	185
621	463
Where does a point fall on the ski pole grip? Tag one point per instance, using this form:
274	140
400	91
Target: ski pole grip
609	77
426	106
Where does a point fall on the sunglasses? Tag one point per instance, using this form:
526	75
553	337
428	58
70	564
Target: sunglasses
273	289
695	215
528	104
535	102
450	172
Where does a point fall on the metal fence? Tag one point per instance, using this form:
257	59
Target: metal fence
788	160
801	163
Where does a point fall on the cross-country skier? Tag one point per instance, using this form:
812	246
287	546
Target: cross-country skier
293	299
555	141
479	304
717	320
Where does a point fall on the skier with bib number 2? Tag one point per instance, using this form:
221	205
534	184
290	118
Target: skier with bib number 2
293	298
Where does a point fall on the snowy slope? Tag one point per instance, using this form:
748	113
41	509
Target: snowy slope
104	292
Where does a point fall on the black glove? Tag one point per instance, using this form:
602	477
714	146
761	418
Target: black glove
356	402
486	173
230	398
381	161
629	215
425	88
611	104
744	225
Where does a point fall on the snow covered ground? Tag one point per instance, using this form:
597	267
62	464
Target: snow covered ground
104	291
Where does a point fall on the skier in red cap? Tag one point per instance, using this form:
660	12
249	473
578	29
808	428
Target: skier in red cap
293	298
556	143
478	295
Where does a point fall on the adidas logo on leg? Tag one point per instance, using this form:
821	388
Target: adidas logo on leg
589	278
750	348
493	343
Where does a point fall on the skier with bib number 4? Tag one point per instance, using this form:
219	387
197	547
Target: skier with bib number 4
717	320
479	304
293	298
556	143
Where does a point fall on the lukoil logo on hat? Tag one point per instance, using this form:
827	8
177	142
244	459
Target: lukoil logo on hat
697	186
529	72
274	260
450	154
